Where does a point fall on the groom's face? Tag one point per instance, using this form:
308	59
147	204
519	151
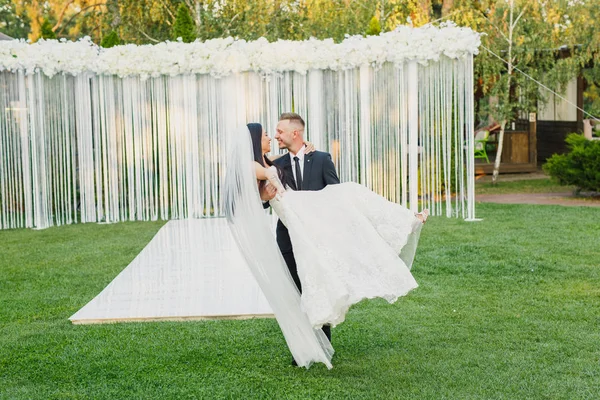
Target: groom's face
285	134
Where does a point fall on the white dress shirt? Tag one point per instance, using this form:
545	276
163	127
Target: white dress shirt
300	155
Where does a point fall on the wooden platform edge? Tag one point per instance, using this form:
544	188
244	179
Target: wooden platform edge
169	319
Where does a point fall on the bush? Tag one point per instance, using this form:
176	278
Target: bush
110	40
580	166
184	26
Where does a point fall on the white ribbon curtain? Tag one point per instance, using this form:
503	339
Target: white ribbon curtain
91	148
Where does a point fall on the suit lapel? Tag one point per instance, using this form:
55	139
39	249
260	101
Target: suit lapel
308	163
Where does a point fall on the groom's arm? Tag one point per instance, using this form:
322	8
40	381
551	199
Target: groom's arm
330	175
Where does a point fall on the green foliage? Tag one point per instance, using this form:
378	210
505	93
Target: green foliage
584	41
543	27
591	98
285	19
12	23
580	166
110	40
184	26
142	21
513	321
374	27
47	32
532	43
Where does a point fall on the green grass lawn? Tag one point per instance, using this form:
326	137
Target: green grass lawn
522	186
507	308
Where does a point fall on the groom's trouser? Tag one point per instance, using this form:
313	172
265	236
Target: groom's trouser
290	261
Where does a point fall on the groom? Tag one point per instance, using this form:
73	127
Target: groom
312	171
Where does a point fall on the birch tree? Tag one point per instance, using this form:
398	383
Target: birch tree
520	46
512	23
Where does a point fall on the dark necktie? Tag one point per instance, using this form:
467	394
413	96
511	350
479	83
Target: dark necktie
298	174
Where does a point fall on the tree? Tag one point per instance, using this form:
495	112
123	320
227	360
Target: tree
422	13
512	24
286	19
184	27
13	23
46	30
521	42
86	18
585	48
140	21
398	12
374	27
110	40
68	18
447	7
113	14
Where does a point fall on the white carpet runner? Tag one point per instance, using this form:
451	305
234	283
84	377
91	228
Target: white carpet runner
192	269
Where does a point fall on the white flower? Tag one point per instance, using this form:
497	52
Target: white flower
224	56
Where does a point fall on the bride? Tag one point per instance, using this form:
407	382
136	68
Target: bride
349	244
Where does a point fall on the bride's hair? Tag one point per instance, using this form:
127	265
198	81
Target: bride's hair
256	133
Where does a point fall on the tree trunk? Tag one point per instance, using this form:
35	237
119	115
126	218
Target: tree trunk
194	7
424	7
499	152
62	15
198	16
447	7
113	10
506	98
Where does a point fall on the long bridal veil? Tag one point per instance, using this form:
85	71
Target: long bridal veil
250	228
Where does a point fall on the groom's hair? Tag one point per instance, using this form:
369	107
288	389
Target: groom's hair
293	117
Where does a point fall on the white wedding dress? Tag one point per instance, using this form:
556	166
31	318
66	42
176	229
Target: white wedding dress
349	244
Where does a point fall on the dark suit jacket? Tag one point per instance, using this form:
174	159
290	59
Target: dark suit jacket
319	172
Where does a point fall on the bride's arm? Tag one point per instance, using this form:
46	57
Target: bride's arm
268	174
260	171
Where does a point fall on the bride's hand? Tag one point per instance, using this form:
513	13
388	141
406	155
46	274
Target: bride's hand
422	216
268	192
273	179
309	147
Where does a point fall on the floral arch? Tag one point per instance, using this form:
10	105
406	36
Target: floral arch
137	132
